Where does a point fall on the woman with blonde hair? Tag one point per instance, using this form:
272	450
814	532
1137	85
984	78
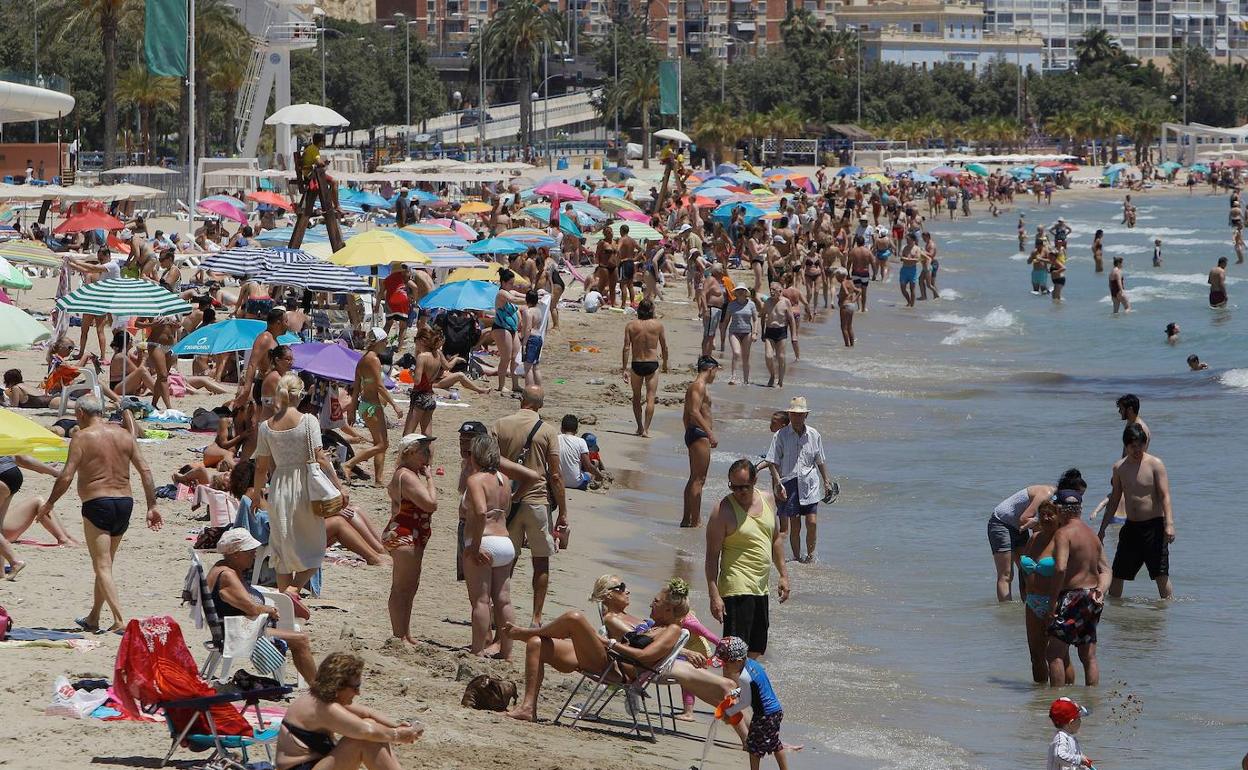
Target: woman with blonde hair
488	550
413	499
306	740
285	444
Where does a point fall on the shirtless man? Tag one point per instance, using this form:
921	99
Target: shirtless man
699	438
251	383
1081	574
777	324
630	254
1217	284
101	455
860	265
1129	410
1118	287
714	298
909	273
931	266
641	337
1140	480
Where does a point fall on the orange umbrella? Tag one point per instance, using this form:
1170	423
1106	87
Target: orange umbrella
272	199
91	219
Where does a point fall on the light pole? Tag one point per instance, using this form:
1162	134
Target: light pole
859	68
1018	64
35	11
481	92
1185	73
615	67
407	65
321	30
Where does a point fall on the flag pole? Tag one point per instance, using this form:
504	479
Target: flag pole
193	190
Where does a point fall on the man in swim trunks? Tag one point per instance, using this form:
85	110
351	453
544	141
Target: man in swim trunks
909	273
629	254
1139	479
860	260
777	324
641	338
714	298
101	454
1118	287
1217	284
699	438
1081	574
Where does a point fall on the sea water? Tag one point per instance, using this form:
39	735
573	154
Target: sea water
893	651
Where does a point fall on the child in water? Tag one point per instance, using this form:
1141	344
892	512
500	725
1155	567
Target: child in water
1064	751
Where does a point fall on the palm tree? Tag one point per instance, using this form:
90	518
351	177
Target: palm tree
800	29
218	31
83	18
638	89
1145	126
518	35
1095	46
783	120
1118	123
753	127
1065	128
142	89
715	129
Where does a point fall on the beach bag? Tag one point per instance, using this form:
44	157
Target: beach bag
75	704
323	494
177	385
6	623
205	421
485	693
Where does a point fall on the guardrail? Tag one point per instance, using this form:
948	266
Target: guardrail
50	82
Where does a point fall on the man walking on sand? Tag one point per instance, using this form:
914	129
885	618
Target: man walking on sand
1139	479
699	438
742	545
714	299
1081	574
860	267
526	439
799	477
101	455
645	339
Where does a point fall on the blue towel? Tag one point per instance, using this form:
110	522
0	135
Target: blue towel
40	634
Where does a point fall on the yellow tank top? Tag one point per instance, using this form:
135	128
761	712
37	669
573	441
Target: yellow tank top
745	562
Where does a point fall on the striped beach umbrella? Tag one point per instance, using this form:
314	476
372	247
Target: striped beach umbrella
496	246
318	276
529	236
439	235
244	262
29	252
123	297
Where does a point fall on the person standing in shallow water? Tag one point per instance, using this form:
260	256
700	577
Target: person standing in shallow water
1077	597
1140	480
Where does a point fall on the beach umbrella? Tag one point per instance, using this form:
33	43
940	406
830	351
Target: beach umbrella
1235	163
497	246
18	329
634	216
223	210
1199	168
229	200
462	229
715	182
462	295
673	135
482	271
420	196
318	276
616	173
377	247
123	297
582	208
330	360
529	236
285	254
1167	166
1116	168
977	168
30	252
921	177
452	258
616	205
271	199
11	277
638	231
568	225
475	207
439	235
363	198
228	336
723	214
849	171
727	168
306	115
945	171
560	190
22	436
418	242
613	192
91	219
281	235
241	262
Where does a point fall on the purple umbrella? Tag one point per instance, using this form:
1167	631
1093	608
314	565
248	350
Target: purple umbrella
223	209
329	360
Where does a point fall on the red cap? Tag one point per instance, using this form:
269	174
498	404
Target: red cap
1064	711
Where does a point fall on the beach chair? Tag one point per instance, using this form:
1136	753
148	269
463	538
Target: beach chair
214	741
606	684
92	384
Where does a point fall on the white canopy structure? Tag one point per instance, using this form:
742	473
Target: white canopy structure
20	102
1190	138
936	160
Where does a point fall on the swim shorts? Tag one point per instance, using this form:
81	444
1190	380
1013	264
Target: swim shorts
764	735
776	333
862	279
1076	617
1217	298
110	514
792	505
909	274
645	368
1142	543
532	350
1003	538
711	321
423	400
747	616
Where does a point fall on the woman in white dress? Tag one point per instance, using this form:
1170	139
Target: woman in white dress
284	445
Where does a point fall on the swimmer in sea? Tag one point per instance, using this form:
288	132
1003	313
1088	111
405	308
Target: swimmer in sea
1172	333
1217	284
1118	287
1195	364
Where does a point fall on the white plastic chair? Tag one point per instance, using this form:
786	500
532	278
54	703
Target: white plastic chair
92	383
218	664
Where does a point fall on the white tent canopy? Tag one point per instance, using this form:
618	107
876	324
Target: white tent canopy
912	160
306	115
138	171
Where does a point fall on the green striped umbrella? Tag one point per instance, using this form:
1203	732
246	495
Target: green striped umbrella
11	277
123	297
638	231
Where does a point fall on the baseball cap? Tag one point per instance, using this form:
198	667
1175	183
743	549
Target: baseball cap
412	439
590	440
236	540
377	334
1068	497
1064	711
706	362
473	427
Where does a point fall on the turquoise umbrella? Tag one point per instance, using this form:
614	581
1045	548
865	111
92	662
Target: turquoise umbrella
462	295
226	337
497	246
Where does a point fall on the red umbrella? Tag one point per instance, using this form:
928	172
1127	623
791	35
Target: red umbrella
91	219
1235	163
272	199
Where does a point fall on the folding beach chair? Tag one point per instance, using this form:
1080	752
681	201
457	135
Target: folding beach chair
219	744
606	684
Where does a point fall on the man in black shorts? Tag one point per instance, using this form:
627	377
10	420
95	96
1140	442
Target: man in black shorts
101	455
742	544
1140	479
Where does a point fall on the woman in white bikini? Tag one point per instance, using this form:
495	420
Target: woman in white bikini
488	550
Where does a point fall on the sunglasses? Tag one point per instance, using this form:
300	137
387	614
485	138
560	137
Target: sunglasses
621	588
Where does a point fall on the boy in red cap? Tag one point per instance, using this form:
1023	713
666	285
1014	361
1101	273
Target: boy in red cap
1064	751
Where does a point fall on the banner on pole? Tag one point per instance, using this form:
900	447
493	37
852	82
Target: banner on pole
164	38
669	88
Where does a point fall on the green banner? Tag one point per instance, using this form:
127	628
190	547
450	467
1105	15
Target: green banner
669	88
164	38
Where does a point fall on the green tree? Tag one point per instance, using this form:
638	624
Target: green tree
148	93
1094	47
638	90
516	38
714	130
783	120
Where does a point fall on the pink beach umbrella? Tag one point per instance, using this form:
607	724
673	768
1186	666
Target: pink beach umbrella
461	228
945	171
561	190
636	216
224	210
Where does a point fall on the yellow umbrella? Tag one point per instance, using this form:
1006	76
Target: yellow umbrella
30	252
21	436
616	205
377	247
475	207
488	271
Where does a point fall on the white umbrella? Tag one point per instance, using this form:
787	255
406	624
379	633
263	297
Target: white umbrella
138	170
306	115
674	135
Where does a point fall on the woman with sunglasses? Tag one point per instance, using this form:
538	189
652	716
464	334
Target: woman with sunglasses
306	740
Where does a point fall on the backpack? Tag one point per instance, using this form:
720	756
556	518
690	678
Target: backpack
486	693
462	333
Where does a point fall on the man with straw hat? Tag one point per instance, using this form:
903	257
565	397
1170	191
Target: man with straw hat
799	477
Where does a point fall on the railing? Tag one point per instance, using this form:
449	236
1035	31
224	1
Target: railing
51	82
295	33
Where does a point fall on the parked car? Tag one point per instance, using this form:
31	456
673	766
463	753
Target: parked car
470	117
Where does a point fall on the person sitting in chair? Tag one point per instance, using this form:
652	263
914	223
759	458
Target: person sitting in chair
234	596
311	159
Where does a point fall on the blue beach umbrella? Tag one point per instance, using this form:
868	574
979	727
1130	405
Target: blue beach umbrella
612	192
727	168
723	214
1200	168
419	242
849	171
462	295
225	337
497	246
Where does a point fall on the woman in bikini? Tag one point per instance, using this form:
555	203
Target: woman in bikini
506	325
432	370
608	262
756	251
127	372
413	499
1038	569
369	398
488	552
306	739
847	304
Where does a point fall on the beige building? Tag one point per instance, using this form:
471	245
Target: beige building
362	11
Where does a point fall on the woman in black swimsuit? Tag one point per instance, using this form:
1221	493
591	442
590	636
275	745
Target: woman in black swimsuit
17	396
307	733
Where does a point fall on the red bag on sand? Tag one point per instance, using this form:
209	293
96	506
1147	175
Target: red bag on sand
6	623
154	665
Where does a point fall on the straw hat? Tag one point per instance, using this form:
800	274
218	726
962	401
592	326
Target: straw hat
797	405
